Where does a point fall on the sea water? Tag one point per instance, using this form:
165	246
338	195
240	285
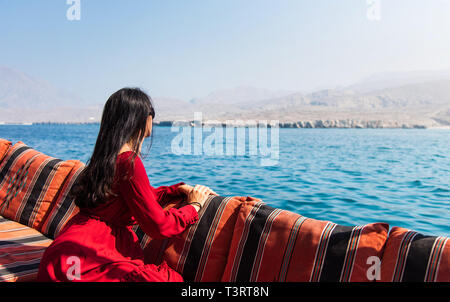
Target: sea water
347	176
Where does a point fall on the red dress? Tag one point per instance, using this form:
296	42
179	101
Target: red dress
99	245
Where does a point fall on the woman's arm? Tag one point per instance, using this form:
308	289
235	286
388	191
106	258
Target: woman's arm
143	203
163	193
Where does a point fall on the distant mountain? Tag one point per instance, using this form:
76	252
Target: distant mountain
424	94
421	99
24	98
442	116
172	109
395	79
19	90
239	95
227	102
424	103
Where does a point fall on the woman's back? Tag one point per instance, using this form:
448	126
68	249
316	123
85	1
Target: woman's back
98	244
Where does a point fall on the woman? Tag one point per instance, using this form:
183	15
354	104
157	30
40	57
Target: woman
113	193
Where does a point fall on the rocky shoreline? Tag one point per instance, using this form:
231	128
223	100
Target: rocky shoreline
344	123
301	124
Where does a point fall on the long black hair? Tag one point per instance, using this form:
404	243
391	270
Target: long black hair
124	120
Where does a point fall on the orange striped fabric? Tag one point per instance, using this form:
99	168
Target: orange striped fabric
273	245
21	250
413	257
29	182
63	208
200	253
4	147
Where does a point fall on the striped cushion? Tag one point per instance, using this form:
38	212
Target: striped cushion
29	182
63	208
200	253
4	147
411	256
21	249
271	244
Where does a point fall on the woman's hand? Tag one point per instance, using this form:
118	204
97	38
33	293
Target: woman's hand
185	189
199	194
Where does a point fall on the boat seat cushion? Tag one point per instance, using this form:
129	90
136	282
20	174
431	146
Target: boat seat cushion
29	184
21	250
200	253
271	245
4	147
413	257
63	207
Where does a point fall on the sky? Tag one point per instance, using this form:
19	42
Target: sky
189	48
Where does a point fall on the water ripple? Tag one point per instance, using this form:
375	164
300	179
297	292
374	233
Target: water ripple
350	177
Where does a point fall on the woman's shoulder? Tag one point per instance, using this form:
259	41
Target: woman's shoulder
125	154
125	161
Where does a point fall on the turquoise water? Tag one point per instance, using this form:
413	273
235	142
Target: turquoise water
348	176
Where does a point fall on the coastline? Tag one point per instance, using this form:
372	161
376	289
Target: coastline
309	124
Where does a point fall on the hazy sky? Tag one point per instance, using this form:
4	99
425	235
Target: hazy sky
188	48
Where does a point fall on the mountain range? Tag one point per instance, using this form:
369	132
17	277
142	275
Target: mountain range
411	99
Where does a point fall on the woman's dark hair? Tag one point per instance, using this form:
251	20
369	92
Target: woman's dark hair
124	120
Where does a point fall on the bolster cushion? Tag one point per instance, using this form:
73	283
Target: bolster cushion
29	184
200	253
413	257
63	208
21	250
4	147
271	245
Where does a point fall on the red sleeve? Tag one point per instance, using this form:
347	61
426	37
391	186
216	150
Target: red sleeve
152	218
164	193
